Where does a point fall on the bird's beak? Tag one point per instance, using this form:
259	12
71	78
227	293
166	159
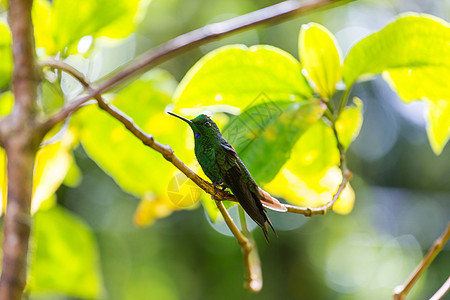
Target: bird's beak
180	117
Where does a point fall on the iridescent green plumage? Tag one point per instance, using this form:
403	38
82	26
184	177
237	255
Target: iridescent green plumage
223	167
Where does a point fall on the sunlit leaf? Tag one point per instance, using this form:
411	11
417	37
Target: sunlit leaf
313	192
314	152
73	176
3	181
64	256
3	5
66	22
6	103
420	83
320	55
151	208
349	123
438	127
135	167
52	164
237	76
182	194
311	175
264	135
429	84
411	41
51	97
6	62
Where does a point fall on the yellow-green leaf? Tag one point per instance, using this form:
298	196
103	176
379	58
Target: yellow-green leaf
63	23
238	76
3	181
411	41
438	127
420	83
64	257
349	123
312	191
52	164
321	56
6	62
6	103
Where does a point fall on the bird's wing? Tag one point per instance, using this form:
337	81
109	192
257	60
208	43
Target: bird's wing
233	176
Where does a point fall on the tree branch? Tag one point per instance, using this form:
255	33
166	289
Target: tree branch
20	135
184	42
253	275
401	290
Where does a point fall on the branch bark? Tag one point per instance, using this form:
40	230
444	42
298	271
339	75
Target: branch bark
253	274
401	291
184	42
20	135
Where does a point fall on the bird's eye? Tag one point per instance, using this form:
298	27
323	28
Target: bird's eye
207	124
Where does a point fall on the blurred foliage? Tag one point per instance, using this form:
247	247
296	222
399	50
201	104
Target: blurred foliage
5	54
268	105
76	272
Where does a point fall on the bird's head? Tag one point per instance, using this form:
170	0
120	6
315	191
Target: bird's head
202	126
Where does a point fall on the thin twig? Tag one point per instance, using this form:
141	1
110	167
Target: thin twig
253	274
184	42
401	290
440	293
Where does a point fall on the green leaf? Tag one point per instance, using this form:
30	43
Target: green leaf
51	97
264	135
6	62
420	83
6	103
311	175
349	123
236	76
64	256
320	55
135	167
431	85
64	22
411	41
438	127
316	150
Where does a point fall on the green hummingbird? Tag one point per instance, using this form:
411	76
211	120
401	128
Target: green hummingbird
225	169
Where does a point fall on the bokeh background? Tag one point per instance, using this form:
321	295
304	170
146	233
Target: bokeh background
402	189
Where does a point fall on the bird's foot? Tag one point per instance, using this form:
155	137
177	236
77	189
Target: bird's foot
217	184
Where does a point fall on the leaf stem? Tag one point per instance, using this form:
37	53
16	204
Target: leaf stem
343	101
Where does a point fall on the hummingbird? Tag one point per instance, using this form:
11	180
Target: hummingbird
225	169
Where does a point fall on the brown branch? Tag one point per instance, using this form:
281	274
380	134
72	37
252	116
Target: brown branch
187	41
20	136
401	290
253	274
440	293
